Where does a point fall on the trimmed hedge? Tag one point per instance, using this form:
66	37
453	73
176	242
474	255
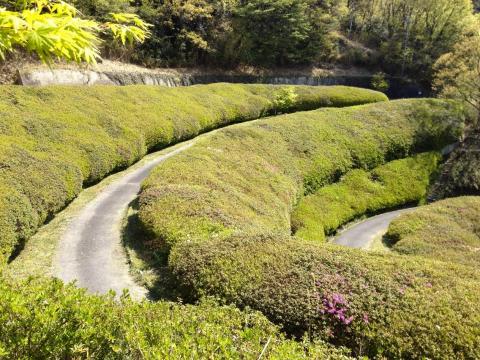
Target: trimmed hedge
382	306
46	320
55	140
361	193
448	230
249	177
212	205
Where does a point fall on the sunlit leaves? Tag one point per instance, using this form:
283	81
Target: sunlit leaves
52	30
457	74
128	28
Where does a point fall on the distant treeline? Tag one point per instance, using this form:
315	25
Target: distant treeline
403	37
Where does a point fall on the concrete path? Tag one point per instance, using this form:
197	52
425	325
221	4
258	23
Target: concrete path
361	235
91	251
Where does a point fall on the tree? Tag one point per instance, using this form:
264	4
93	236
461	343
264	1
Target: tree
100	9
53	29
410	34
185	32
285	32
380	82
457	74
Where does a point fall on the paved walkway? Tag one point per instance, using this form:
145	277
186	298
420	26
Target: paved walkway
91	250
361	235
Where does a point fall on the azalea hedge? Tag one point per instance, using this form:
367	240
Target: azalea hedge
222	212
359	193
250	177
56	140
46	320
448	230
378	305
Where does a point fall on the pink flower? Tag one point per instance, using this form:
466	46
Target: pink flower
336	305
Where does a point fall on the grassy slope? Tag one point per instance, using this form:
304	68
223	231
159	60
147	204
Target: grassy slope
448	230
55	140
224	206
363	192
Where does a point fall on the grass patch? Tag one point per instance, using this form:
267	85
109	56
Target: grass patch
362	192
448	230
56	140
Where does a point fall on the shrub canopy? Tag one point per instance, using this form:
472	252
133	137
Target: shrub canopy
56	140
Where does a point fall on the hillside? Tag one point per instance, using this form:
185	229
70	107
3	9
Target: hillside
219	35
259	179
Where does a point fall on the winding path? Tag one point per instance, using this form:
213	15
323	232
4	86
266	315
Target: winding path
90	251
361	235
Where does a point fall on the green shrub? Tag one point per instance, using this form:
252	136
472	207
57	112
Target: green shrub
361	192
55	140
285	98
380	83
250	177
382	306
212	205
448	230
44	319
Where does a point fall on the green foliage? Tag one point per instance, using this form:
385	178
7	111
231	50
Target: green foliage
457	73
44	319
395	307
447	231
380	83
285	98
187	32
128	28
101	9
284	32
55	140
401	37
53	30
361	193
223	210
409	34
229	33
248	178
